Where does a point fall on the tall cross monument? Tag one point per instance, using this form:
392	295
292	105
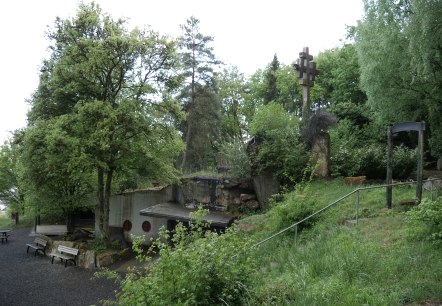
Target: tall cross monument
307	72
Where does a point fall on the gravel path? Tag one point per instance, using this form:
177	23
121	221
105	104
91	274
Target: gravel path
28	280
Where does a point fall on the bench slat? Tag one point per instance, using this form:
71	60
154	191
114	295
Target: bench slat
39	245
65	249
65	253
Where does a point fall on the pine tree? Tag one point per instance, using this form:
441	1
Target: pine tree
198	96
271	93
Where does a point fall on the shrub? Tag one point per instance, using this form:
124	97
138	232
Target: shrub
198	268
425	220
357	151
404	162
234	155
295	207
278	147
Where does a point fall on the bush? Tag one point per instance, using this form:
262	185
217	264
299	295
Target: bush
357	152
198	268
234	155
425	220
295	207
278	147
404	162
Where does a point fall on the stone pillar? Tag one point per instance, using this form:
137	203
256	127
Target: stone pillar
265	185
321	153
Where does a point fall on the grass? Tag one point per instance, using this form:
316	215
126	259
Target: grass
378	262
7	222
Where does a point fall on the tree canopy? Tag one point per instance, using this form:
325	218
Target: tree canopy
100	96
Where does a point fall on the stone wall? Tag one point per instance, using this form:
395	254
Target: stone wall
221	194
87	258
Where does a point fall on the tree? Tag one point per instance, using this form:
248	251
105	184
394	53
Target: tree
232	90
340	76
289	91
271	93
198	96
338	85
399	47
57	178
286	92
102	89
11	192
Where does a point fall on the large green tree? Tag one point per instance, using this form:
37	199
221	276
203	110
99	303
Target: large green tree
11	192
56	177
198	96
232	90
101	89
338	85
399	48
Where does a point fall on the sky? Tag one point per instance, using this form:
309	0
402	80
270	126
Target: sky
247	34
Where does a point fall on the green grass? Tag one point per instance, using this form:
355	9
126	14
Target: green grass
377	262
7	222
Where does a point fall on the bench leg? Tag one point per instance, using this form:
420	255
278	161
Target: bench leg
27	250
52	261
43	252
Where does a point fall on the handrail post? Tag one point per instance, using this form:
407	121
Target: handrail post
431	190
357	207
420	159
389	166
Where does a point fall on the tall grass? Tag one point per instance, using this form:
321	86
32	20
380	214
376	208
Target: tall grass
374	263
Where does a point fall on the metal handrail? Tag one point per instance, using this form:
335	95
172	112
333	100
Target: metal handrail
341	199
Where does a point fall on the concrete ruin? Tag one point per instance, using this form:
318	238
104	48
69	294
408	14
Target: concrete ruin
145	212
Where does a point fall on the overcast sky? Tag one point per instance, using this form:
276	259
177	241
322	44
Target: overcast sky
247	34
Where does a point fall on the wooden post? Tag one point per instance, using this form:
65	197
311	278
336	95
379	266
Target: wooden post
389	165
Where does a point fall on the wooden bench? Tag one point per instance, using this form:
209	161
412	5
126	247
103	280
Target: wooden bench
38	245
65	253
4	237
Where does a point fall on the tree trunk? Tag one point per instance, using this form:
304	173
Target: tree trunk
70	222
192	103
106	207
99	208
103	203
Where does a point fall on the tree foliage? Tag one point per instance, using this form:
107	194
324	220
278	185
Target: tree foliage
198	96
232	92
100	94
399	47
271	93
11	191
276	146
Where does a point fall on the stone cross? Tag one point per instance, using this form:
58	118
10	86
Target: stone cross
307	72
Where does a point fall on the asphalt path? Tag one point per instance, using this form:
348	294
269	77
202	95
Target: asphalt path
26	279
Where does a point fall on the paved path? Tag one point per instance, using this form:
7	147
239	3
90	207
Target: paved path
28	280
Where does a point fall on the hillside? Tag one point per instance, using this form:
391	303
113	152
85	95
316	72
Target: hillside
385	260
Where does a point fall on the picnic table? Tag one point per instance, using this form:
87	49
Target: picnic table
4	234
